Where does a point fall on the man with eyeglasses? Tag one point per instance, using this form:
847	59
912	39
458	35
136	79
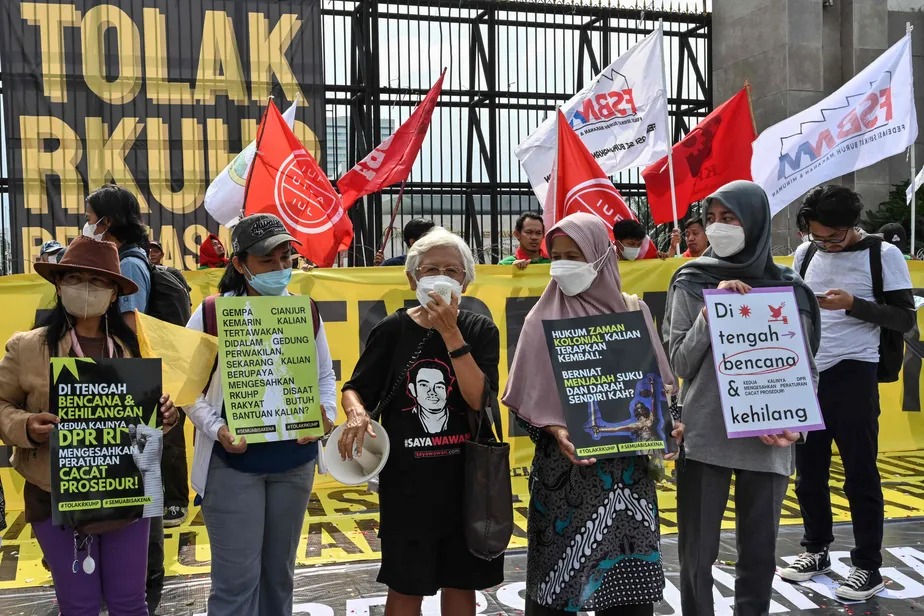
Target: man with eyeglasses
863	286
529	231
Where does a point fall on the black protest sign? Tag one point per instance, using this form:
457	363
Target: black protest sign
609	383
106	450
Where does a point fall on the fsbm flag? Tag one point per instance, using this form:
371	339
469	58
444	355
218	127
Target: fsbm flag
391	161
869	118
620	116
286	181
716	152
578	184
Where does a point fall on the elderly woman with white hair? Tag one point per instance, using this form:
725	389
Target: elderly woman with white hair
427	367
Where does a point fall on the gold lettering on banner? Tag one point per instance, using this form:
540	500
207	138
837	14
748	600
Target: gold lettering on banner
307	138
192	238
51	19
38	163
173	252
93	34
159	88
106	154
220	152
268	56
220	70
189	197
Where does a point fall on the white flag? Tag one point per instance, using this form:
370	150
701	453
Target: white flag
620	116
868	119
914	186
224	198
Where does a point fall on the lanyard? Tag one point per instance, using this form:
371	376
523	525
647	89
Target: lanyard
75	344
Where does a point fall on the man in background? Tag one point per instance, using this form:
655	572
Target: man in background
155	253
529	231
895	234
695	235
413	231
633	243
51	252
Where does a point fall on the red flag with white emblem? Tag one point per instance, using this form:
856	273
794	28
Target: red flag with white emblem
285	180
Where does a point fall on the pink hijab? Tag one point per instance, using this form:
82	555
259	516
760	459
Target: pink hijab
531	392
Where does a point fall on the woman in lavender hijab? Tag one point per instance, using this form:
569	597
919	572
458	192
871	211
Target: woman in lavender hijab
603	510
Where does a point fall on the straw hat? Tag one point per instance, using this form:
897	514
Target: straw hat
86	254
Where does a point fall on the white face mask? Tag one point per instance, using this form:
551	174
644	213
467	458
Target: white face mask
574	277
90	231
630	253
726	240
85	300
425	285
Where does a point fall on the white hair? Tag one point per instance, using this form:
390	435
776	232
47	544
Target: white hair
438	237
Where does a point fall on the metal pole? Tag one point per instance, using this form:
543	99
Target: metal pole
394	214
667	122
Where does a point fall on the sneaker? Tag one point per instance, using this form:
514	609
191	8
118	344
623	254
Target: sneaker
860	585
174	516
805	567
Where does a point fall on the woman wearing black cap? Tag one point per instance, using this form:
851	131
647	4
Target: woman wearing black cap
86	322
257	494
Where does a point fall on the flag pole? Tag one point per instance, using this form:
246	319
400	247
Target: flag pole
914	200
667	122
394	214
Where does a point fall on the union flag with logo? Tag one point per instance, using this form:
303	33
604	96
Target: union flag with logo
285	180
578	184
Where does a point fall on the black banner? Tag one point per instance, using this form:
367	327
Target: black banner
106	450
155	95
610	386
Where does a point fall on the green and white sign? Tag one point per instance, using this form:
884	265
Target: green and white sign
269	367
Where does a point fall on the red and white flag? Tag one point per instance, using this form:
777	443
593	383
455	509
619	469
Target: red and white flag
390	163
578	184
286	181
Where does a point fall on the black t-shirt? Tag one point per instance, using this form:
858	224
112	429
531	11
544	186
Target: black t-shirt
420	489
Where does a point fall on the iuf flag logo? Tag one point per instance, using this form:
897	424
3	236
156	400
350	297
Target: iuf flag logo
717	151
286	181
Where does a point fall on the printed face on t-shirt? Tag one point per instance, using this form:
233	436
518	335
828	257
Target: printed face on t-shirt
429	390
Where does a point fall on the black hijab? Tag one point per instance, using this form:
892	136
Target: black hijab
754	264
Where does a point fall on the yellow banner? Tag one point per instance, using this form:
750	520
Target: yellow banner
342	521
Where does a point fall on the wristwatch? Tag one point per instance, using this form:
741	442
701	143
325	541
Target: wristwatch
465	349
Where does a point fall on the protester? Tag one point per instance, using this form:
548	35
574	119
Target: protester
633	243
432	364
155	253
839	268
695	235
113	215
413	231
86	321
212	253
254	496
738	227
895	234
50	252
529	232
620	554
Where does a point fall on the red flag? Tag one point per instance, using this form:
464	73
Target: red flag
286	181
578	184
390	163
715	152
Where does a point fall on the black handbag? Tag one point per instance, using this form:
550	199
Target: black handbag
488	495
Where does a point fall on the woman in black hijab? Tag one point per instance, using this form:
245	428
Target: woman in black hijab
739	258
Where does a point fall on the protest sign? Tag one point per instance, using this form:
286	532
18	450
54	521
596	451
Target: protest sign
762	362
106	451
269	367
609	384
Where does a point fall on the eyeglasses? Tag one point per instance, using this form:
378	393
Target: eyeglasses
425	271
822	242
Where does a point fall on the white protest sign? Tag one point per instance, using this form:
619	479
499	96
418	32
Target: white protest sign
762	362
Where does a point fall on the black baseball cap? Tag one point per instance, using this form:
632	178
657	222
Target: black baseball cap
259	234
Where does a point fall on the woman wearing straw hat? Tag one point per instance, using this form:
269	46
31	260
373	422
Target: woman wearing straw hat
86	322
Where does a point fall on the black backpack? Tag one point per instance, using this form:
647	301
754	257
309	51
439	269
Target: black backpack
169	298
891	342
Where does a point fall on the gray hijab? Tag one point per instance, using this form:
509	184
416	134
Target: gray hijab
754	264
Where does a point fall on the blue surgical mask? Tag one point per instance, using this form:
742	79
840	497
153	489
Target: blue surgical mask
270	283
